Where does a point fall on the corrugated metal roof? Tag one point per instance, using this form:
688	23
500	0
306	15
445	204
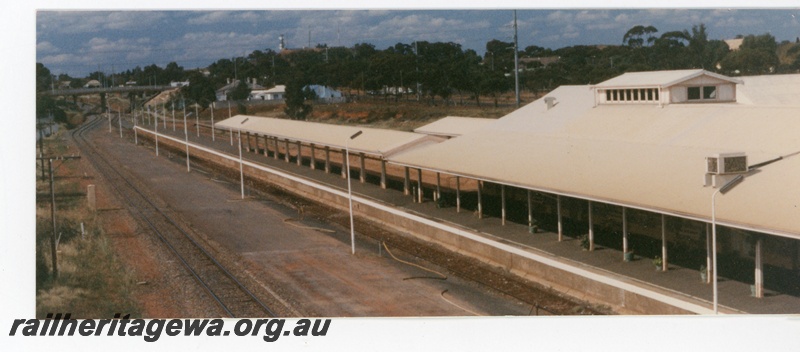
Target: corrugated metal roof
373	141
769	90
642	156
452	126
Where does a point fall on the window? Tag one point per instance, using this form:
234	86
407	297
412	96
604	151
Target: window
702	93
694	93
709	92
631	95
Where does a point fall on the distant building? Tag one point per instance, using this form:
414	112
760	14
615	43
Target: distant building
92	84
178	84
324	93
734	44
222	93
275	93
545	61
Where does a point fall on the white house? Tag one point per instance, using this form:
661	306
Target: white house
274	93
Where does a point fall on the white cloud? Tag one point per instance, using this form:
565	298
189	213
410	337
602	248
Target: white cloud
74	22
210	18
45	48
560	17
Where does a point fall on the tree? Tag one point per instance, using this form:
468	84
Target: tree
200	89
173	73
240	92
297	94
756	55
43	77
635	36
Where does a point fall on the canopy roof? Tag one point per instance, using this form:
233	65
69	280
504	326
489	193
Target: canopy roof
640	156
453	126
373	141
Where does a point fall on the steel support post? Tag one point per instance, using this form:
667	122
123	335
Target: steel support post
759	272
438	187
313	164
663	242
480	203
458	194
327	159
530	209
624	231
419	184
709	262
558	215
299	154
362	173
383	173
591	228
406	183
345	164
502	204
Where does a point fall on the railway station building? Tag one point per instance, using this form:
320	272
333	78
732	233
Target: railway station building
644	163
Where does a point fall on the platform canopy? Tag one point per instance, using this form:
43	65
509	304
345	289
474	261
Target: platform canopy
454	126
648	157
374	141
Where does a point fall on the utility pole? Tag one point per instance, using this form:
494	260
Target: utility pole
54	237
516	59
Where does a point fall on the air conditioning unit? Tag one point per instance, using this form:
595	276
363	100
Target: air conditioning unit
721	168
726	163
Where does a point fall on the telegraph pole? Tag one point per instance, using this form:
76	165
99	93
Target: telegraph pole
516	59
54	237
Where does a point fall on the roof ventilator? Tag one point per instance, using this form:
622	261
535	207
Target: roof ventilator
551	102
723	167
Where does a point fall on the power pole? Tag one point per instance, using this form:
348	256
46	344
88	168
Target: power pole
54	237
516	59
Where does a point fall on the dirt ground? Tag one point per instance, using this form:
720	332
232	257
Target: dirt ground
161	284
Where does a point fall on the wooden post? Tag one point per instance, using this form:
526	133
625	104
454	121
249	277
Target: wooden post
286	151
54	255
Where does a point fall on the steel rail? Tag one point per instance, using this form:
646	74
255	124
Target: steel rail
78	136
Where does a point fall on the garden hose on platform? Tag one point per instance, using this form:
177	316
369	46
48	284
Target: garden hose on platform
443	276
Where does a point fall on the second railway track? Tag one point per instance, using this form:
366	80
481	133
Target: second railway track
230	294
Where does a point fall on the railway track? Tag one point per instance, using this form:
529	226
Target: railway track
229	293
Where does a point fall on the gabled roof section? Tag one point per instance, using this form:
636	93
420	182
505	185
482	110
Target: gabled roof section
661	79
373	141
454	126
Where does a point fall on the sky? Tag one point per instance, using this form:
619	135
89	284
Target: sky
80	42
